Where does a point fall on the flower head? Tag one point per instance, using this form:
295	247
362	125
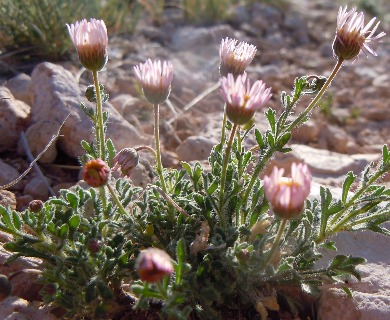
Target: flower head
235	58
126	160
241	99
91	41
155	78
96	173
153	264
287	195
352	36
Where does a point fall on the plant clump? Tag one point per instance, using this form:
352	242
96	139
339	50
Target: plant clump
199	242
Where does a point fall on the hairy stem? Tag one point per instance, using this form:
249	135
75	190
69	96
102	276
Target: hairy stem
157	140
99	114
223	174
313	103
275	245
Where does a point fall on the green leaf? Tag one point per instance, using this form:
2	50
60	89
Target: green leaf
181	258
214	185
259	139
90	292
63	231
350	178
346	265
104	290
283	140
347	291
330	245
110	148
74	222
16	220
385	154
73	199
89	112
270	139
6	217
270	114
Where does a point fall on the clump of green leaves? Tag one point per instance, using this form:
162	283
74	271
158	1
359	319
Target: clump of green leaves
89	246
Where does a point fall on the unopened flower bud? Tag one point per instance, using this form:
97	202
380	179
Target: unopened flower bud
96	173
94	245
90	93
91	41
287	195
5	287
125	161
153	264
243	256
36	206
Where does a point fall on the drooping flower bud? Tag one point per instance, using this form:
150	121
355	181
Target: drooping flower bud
96	173
287	195
91	41
155	78
153	264
241	99
235	58
352	36
125	161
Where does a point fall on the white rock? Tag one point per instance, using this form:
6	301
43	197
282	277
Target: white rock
55	95
13	119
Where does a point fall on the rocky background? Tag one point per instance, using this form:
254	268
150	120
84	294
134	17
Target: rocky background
345	133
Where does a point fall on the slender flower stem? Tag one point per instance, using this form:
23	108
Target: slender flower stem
223	174
269	152
223	135
99	122
312	104
122	210
260	165
102	194
275	245
150	149
158	152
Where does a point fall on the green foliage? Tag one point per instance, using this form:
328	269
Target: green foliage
39	26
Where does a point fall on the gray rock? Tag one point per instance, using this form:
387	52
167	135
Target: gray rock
195	148
20	87
38	136
8	174
37	188
13	119
56	95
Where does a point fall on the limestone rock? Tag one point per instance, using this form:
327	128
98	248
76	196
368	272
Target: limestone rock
20	87
195	148
38	136
14	116
7	199
8	174
37	188
55	92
